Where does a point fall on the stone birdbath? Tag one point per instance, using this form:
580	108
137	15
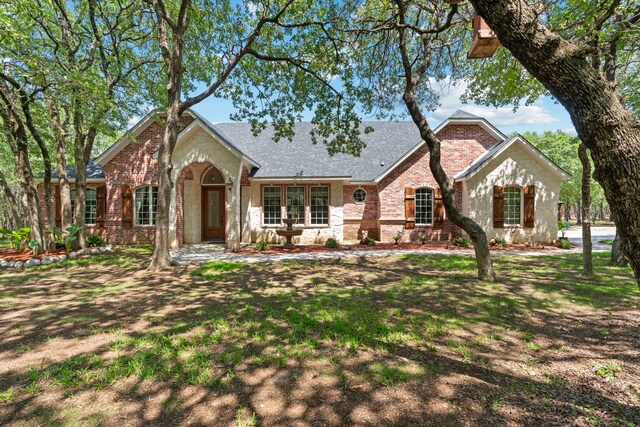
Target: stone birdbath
289	232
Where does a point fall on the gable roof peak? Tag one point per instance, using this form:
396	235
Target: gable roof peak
461	114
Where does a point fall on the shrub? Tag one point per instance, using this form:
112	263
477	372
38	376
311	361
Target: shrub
332	243
500	242
396	239
68	235
423	240
370	242
94	240
563	226
17	239
461	241
564	244
262	246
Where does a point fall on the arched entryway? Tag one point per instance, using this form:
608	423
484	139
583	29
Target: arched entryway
213	203
202	212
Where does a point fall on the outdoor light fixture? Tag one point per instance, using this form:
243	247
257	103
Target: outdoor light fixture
229	184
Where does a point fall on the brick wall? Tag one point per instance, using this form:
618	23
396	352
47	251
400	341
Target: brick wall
461	145
361	218
135	166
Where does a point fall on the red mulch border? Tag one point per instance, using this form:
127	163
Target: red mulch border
15	256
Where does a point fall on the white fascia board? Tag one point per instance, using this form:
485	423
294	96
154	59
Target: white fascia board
136	130
525	144
197	123
491	130
402	159
72	180
301	179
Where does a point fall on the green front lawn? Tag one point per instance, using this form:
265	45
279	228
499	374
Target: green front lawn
376	341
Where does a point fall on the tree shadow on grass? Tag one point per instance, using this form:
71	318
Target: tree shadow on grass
367	341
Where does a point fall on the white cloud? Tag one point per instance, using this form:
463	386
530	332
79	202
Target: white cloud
502	116
570	131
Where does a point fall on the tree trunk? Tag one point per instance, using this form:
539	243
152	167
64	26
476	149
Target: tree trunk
617	257
579	212
587	260
161	258
66	216
18	141
11	201
475	232
609	130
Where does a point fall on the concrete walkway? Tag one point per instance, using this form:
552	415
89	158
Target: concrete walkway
204	252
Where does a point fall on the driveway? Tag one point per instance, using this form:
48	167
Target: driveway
597	233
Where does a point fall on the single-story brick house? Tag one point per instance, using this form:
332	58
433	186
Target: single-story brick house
234	187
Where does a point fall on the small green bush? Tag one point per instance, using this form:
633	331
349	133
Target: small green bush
423	240
461	241
500	242
332	243
262	246
396	239
93	240
370	242
564	244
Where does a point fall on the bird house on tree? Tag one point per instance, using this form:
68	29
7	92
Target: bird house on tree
485	41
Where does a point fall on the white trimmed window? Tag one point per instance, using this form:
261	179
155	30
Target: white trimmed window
359	195
90	205
319	205
424	206
295	203
146	204
512	206
271	202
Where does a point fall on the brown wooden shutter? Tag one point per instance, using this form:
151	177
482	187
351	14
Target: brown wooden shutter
101	206
529	205
409	207
127	207
438	208
57	206
498	206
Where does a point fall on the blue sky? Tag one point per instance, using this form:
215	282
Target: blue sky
544	115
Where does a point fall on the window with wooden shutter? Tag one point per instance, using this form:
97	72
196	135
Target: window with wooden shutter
438	208
127	207
498	206
409	207
529	205
101	206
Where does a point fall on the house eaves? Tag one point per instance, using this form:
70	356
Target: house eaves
483	123
500	148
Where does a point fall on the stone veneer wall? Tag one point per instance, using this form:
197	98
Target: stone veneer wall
515	166
311	233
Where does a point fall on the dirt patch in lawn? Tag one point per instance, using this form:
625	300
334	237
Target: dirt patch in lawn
279	249
400	340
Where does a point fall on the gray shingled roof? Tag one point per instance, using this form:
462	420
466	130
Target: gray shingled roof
93	171
389	142
460	114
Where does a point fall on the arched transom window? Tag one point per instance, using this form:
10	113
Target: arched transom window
213	176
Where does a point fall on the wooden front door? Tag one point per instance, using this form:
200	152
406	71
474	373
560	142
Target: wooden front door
213	213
